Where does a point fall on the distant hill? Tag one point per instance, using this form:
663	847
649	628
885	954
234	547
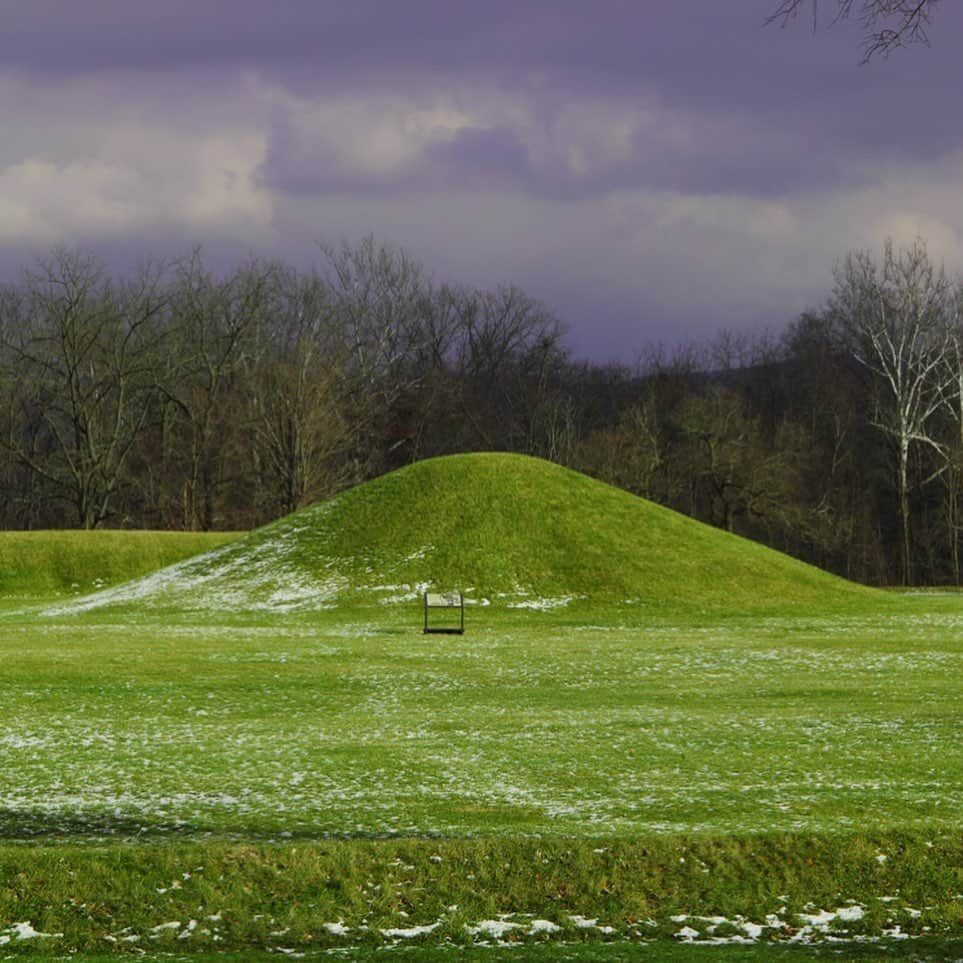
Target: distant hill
506	529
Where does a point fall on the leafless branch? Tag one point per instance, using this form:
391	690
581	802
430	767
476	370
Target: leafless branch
887	24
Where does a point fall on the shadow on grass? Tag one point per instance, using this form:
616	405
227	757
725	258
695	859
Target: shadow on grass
922	951
27	824
37	825
661	951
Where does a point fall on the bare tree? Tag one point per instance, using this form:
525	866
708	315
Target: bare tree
735	473
214	324
434	413
380	302
894	318
26	496
294	411
633	453
952	385
823	398
887	24
83	358
507	352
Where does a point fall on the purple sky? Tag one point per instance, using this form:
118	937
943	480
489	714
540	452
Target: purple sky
652	170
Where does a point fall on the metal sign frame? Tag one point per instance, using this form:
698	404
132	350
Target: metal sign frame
446	601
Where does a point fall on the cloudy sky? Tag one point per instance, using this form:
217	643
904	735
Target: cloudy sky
652	170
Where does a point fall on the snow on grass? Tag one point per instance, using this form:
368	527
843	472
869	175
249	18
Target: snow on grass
807	928
584	730
251	574
803	927
542	605
493	929
584	923
411	932
402	593
18	932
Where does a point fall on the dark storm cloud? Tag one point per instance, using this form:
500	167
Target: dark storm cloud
299	164
734	154
296	165
52	35
644	167
715	59
488	152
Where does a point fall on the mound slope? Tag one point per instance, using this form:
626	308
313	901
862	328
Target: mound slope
505	528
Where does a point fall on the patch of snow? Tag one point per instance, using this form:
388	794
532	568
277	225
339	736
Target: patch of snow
25	931
407	593
542	605
411	932
850	914
495	929
818	921
583	923
822	922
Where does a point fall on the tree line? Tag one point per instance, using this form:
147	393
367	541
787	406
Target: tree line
176	398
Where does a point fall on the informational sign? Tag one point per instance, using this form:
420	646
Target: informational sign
446	601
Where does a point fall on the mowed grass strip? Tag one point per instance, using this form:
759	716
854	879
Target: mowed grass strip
465	892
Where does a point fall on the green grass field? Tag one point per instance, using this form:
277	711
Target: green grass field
685	747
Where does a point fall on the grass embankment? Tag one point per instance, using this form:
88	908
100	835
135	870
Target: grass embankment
465	892
45	565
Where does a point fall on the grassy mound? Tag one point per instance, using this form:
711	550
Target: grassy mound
41	564
503	528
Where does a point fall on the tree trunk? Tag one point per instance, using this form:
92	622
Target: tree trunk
904	510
